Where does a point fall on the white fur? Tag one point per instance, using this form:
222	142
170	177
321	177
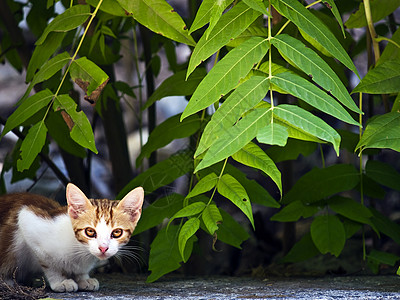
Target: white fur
103	240
51	242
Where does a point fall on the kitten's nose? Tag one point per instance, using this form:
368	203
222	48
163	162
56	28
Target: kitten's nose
103	249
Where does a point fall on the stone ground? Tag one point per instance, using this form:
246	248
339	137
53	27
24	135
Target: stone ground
121	287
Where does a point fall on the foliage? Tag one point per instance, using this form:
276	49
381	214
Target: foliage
277	87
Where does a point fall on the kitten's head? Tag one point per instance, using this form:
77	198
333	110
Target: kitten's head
103	225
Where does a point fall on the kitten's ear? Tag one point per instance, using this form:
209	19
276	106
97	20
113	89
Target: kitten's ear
132	204
77	201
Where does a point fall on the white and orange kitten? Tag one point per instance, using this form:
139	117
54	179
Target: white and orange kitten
65	243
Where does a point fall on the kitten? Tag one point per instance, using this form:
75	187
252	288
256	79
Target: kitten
65	243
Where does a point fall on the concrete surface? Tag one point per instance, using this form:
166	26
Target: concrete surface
121	287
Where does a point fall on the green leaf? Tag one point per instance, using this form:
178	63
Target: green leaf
160	17
308	122
111	7
216	11
50	68
352	210
226	74
375	258
204	12
230	231
68	20
319	184
27	109
258	5
294	211
43	52
333	8
187	231
242	99
302	250
383	79
386	226
230	25
253	156
382	132
158	211
231	189
383	173
291	151
328	234
89	77
168	131
188	211
164	253
273	134
310	63
204	185
235	138
81	131
211	217
308	92
310	24
379	10
161	174
59	131
177	85
256	192
32	145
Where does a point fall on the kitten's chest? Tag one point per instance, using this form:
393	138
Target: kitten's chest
50	236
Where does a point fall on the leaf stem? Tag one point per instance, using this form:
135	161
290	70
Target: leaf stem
78	48
361	175
371	29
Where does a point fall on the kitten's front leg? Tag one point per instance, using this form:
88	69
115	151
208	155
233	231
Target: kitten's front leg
85	283
58	282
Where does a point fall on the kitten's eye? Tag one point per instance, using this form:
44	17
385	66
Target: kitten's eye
90	232
116	233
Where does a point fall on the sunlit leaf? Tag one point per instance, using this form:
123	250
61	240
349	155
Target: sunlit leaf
89	77
80	128
231	189
273	134
32	145
187	231
211	217
383	79
253	156
243	98
310	24
160	17
313	65
230	25
382	132
308	92
309	123
68	20
27	109
226	74
236	137
204	185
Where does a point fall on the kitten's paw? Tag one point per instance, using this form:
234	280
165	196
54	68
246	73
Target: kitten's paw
67	285
90	284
